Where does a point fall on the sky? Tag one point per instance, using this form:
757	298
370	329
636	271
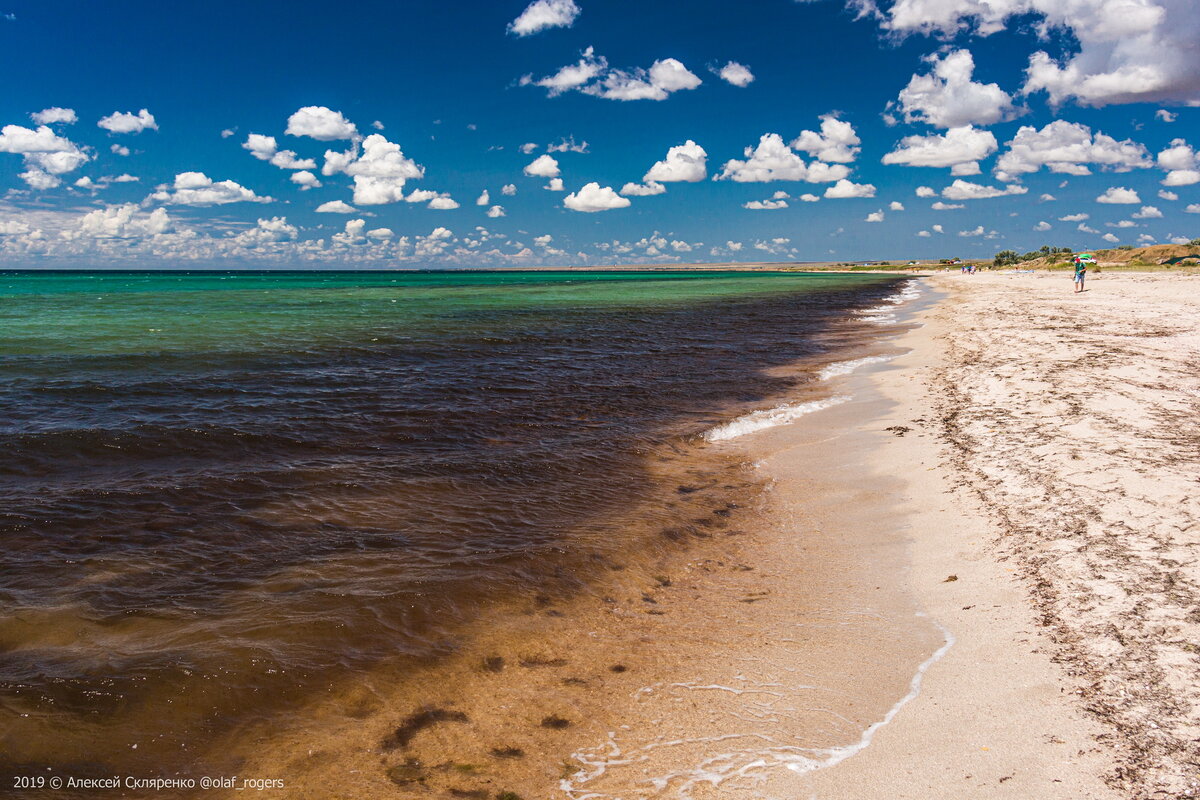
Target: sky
435	133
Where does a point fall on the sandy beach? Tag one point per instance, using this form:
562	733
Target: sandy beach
972	576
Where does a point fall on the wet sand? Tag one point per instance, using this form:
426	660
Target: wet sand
974	578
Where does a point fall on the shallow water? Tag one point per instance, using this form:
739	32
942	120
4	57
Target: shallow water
220	491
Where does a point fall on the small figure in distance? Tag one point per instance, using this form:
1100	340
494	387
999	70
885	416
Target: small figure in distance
1080	274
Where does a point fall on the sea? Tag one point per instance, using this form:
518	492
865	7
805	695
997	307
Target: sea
224	492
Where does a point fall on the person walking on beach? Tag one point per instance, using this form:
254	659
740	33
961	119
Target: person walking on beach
1080	274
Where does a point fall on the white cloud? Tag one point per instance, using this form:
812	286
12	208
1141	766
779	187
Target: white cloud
483	199
1182	163
380	170
684	162
940	206
443	202
45	153
1148	212
197	189
1047	198
1125	223
123	222
1085	228
926	191
1181	177
1194	208
938	229
572	76
128	122
336	207
306	180
664	77
544	166
1068	147
1119	194
1165	195
528	147
1128	52
566	145
227	132
320	123
948	98
875	216
808	197
543	14
120	150
924	234
837	142
965	190
1108	237
495	211
554	185
737	74
896	205
957	146
643	189
381	233
979	231
122	178
1043	226
594	197
846	189
508	189
773	160
53	115
1074	218
1165	116
765	205
265	148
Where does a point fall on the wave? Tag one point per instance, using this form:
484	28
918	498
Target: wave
769	418
846	367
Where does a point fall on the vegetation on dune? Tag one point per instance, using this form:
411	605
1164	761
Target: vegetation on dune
1006	258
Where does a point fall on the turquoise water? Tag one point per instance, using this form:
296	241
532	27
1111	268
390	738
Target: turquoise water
221	491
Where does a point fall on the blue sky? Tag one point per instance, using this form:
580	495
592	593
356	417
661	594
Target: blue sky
312	135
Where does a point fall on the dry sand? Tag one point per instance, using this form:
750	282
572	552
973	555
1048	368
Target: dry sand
975	578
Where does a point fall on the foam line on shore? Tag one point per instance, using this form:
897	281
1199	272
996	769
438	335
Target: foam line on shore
846	367
769	418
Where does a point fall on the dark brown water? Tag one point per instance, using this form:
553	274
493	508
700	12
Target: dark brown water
219	493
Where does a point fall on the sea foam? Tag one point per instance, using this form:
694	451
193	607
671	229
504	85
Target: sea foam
846	367
769	418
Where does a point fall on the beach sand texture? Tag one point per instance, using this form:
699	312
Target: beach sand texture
1073	420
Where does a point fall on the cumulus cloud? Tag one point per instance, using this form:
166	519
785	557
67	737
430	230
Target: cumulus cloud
1165	116
443	202
554	185
1108	237
684	162
940	206
128	122
566	145
1129	52
846	189
197	189
123	222
773	160
946	97
380	170
1165	195
46	154
1193	208
643	189
896	205
594	197
1119	195
837	141
320	123
265	148
336	207
508	189
1074	217
591	75
306	180
959	148
483	198
53	115
544	166
875	216
736	74
495	212
1181	162
663	78
765	205
926	191
120	150
1068	147
1043	226
543	14
1148	212
965	190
